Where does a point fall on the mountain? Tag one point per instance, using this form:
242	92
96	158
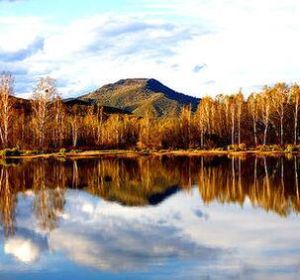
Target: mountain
141	97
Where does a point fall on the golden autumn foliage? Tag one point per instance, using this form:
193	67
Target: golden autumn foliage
269	117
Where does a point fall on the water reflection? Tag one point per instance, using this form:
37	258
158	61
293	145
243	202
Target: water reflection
270	183
120	214
7	203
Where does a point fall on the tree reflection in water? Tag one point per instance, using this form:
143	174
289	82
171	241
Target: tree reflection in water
268	183
49	197
7	202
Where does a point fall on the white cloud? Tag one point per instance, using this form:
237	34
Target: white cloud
97	50
254	43
242	43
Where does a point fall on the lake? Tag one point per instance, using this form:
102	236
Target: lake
150	218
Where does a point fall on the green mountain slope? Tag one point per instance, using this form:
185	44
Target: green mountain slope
141	97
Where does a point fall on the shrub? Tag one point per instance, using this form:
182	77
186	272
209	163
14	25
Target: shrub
237	148
275	148
31	152
10	152
242	147
231	147
218	149
291	148
261	148
74	151
62	151
269	148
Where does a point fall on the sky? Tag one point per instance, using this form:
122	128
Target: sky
198	47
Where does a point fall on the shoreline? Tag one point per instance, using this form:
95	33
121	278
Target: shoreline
159	153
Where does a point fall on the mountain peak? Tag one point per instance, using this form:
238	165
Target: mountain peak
142	96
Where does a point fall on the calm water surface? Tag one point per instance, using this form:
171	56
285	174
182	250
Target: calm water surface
150	218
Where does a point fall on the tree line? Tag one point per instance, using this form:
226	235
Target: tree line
45	122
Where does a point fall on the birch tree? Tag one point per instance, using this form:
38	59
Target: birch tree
295	96
205	117
253	111
230	110
6	106
279	100
58	116
239	100
265	111
185	126
44	93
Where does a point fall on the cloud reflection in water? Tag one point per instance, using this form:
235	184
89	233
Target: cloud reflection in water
184	232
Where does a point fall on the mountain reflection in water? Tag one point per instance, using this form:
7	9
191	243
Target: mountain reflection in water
35	216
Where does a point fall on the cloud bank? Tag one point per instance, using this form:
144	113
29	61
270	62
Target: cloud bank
242	44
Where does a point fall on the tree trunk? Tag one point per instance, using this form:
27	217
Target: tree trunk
74	133
296	125
232	127
265	134
6	120
255	132
239	132
281	130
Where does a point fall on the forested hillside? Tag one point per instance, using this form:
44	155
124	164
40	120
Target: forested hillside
46	122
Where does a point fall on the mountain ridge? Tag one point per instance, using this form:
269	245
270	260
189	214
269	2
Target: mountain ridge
142	96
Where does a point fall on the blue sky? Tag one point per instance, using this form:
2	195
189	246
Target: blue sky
195	46
65	10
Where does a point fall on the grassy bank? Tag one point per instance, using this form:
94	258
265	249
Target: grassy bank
63	153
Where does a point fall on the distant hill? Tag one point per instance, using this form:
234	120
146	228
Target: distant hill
82	105
141	97
72	102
